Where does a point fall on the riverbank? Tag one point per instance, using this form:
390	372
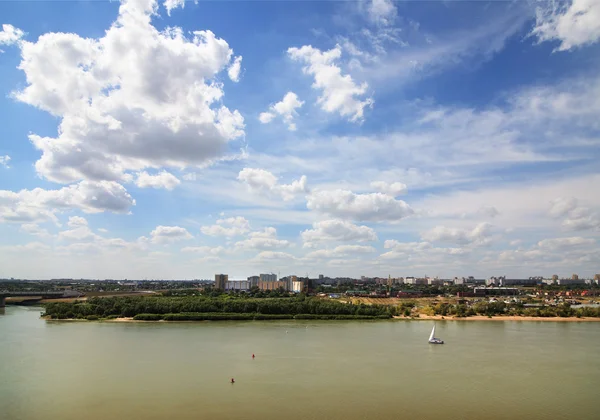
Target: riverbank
499	318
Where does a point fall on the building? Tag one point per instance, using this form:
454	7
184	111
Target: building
268	277
434	281
272	285
503	281
237	285
253	280
468	280
574	277
220	281
297	287
290	282
570	282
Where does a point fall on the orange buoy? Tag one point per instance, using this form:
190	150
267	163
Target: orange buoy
253	355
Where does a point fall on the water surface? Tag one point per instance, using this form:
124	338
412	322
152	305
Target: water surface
303	370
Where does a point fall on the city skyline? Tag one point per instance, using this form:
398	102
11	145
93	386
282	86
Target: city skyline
145	139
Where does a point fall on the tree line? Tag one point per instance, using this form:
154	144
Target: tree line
111	307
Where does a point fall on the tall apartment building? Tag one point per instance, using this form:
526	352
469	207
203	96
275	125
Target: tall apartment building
221	281
268	277
253	280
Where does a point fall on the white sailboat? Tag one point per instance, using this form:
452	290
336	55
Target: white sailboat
432	339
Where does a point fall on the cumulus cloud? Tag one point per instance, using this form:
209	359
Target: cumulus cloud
163	179
190	176
205	250
265	239
273	256
340	251
263	181
375	207
41	205
76	221
576	217
337	231
574	24
339	93
27	248
173	4
416	251
10	35
4	160
34	229
234	69
286	108
564	243
232	226
167	234
78	233
391	188
382	12
132	99
479	235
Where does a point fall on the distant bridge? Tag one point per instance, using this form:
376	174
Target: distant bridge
43	295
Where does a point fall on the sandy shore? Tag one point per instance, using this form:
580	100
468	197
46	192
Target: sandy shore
500	318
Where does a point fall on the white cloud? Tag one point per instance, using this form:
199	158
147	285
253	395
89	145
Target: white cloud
133	99
4	160
273	256
574	24
265	239
286	108
76	221
576	217
78	233
167	234
163	179
190	176
266	117
173	4
234	69
339	93
27	248
337	231
102	230
340	251
206	250
232	226
345	204
264	181
479	235
34	229
42	205
565	243
10	35
391	188
419	252
382	12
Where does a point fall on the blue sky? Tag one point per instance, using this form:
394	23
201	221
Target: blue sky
176	140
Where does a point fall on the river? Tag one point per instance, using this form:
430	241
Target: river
303	370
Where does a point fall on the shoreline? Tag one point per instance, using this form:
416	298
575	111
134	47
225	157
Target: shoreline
474	318
499	318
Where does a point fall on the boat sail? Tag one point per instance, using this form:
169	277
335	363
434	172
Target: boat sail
432	339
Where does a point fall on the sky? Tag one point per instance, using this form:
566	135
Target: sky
176	140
